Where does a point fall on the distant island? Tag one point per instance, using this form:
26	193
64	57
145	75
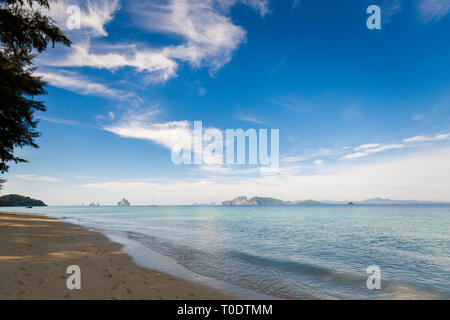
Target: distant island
389	201
260	201
123	203
15	200
384	201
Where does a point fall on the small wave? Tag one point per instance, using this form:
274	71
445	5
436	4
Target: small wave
297	267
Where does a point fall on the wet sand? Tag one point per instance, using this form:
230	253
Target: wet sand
36	250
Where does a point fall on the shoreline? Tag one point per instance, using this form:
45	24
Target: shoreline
153	260
36	251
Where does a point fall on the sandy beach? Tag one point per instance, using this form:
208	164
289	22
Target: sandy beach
36	250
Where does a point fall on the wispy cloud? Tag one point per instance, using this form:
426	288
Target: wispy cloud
310	155
209	37
355	155
170	134
363	150
142	125
173	135
293	103
250	118
294	159
59	121
438	137
386	147
32	177
421	175
430	10
296	4
366	146
390	8
154	62
95	14
370	149
352	114
318	162
74	82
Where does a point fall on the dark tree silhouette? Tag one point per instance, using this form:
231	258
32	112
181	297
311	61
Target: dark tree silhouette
24	32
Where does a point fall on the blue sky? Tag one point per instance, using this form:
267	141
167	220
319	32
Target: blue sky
361	113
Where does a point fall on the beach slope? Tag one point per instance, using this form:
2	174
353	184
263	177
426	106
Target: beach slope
36	250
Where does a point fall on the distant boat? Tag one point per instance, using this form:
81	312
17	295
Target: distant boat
28	207
350	203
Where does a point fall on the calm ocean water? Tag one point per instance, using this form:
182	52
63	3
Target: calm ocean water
293	252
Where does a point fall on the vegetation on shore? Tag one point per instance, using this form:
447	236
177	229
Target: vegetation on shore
24	33
15	200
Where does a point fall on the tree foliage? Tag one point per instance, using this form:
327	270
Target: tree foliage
24	32
15	200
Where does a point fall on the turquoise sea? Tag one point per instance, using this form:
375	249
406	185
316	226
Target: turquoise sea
301	252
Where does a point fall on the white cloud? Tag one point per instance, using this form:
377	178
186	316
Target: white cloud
371	148
250	118
170	134
366	149
95	14
174	135
322	152
438	137
294	158
32	177
355	155
74	82
318	162
433	9
208	35
260	5
59	121
422	175
386	147
98	14
141	125
366	146
151	61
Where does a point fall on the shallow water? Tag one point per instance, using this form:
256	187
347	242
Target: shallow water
308	252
